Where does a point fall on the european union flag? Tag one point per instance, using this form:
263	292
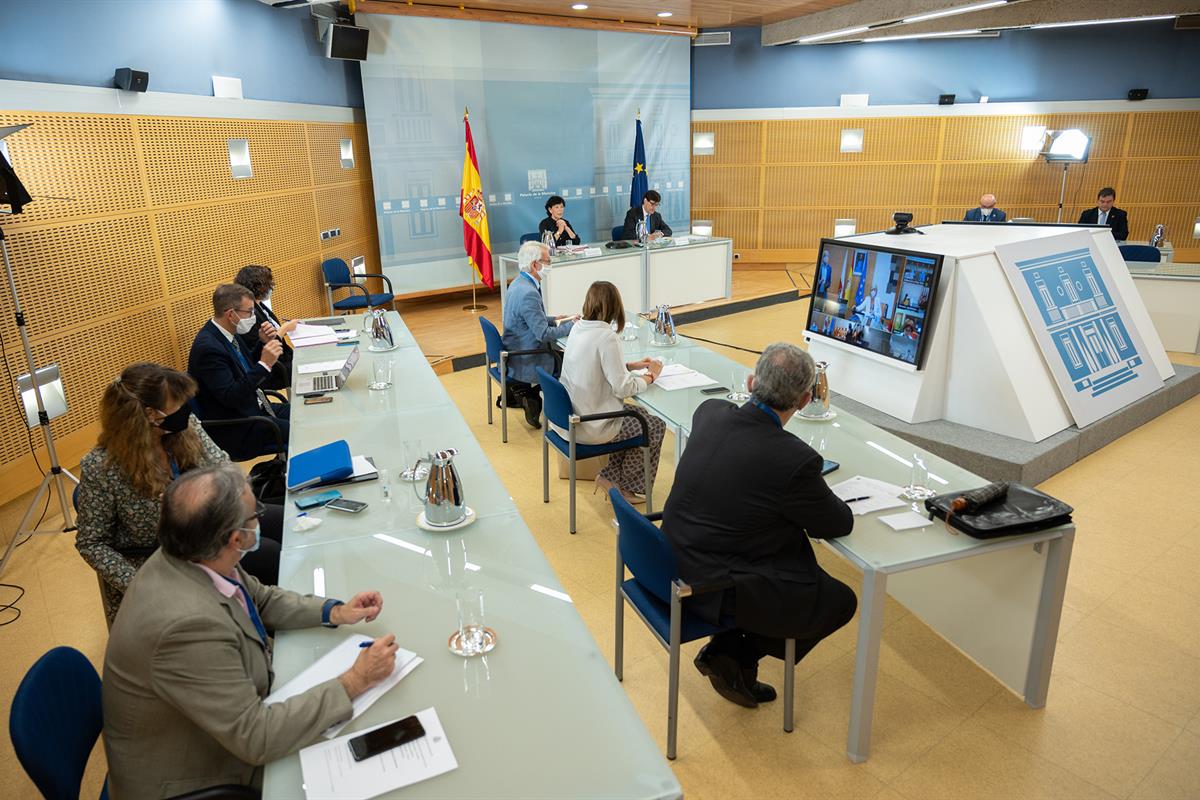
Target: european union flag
640	183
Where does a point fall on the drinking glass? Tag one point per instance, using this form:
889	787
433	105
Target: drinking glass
381	374
472	638
413	451
740	391
918	482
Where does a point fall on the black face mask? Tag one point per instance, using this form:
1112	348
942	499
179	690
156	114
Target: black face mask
174	423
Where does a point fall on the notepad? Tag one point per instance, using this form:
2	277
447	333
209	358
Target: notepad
333	664
331	773
676	376
876	495
905	521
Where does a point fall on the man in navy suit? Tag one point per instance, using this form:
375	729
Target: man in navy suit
1105	213
230	377
648	214
987	211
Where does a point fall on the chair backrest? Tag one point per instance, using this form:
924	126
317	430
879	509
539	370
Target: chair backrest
335	270
1140	252
492	343
55	721
530	237
644	549
556	403
617	231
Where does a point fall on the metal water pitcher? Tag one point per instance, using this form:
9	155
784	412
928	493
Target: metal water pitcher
445	504
1160	233
663	334
818	407
376	325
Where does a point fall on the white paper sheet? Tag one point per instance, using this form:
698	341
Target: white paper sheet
303	330
677	376
321	366
906	520
310	341
362	466
331	773
333	664
877	494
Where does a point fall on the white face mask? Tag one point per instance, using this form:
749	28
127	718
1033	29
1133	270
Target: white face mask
246	325
257	539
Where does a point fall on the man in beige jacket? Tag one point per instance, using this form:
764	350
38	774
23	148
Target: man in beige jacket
189	659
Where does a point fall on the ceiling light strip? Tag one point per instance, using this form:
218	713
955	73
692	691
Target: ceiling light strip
833	34
938	35
1099	22
949	12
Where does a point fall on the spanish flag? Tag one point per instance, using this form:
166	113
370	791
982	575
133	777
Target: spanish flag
476	240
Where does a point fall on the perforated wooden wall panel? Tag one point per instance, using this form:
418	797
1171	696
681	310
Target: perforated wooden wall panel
75	165
207	245
733	142
1151	159
325	143
741	226
125	271
187	160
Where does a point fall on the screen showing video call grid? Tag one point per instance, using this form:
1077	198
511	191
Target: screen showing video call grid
874	298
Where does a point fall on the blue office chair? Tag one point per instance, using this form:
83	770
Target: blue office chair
530	237
657	594
496	369
1140	252
617	231
337	276
557	408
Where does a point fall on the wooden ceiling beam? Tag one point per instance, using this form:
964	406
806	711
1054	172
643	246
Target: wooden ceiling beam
463	12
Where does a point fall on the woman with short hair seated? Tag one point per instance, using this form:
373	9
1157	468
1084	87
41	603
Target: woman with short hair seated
598	379
557	224
261	283
148	437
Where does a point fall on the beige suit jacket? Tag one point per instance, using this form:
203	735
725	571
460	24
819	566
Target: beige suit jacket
184	677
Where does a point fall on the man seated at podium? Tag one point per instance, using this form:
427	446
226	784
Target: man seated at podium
648	214
230	377
986	212
1105	213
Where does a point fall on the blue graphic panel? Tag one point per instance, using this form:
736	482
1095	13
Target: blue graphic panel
1082	321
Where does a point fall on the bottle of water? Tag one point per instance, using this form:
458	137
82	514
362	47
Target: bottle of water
641	232
548	240
1160	233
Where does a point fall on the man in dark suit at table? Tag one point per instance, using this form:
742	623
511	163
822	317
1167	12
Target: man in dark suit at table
230	377
986	212
1105	213
747	498
647	213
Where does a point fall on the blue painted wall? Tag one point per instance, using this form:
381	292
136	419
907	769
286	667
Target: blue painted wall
181	43
1091	63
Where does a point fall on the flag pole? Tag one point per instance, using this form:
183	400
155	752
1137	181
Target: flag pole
474	307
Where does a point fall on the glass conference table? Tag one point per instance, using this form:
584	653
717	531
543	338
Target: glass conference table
999	600
542	715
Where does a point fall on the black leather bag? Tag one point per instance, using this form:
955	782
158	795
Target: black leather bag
268	480
1020	510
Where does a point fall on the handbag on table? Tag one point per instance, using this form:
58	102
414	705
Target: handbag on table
999	509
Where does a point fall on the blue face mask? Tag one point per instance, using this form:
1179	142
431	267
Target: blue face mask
257	539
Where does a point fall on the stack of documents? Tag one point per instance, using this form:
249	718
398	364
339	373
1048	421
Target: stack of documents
304	335
677	376
331	773
865	495
333	664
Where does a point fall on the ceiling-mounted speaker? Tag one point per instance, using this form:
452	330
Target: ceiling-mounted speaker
1139	94
131	80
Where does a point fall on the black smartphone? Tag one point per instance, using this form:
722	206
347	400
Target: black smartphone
342	504
715	390
829	466
380	740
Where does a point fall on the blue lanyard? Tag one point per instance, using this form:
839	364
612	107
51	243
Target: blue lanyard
766	409
174	465
250	609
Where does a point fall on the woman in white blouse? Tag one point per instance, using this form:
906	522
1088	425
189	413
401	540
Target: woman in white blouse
595	374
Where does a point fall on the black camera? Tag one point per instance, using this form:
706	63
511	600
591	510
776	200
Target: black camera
902	218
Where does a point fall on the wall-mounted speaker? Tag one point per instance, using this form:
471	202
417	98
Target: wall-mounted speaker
945	99
1139	94
131	80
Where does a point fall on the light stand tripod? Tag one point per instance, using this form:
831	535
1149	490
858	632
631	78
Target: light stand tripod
57	476
1062	192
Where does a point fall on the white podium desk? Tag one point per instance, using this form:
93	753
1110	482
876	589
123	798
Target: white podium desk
673	271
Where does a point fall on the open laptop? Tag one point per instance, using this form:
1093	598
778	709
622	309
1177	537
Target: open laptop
330	381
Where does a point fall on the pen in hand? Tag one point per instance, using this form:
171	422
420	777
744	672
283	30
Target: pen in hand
366	644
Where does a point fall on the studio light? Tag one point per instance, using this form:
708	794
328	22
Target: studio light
844	227
702	227
54	399
1067	145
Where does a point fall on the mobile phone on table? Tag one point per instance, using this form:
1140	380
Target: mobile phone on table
829	466
715	390
342	504
305	503
317	399
380	740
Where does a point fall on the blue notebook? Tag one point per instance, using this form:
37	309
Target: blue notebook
327	463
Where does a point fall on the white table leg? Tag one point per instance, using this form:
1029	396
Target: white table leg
866	664
1049	613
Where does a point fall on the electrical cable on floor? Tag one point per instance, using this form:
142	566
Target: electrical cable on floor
11	605
723	344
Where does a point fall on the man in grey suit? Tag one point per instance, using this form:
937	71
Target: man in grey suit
527	327
189	655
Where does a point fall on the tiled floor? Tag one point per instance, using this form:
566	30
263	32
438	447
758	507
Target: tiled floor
1123	717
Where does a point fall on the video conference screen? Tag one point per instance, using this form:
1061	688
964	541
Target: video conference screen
874	298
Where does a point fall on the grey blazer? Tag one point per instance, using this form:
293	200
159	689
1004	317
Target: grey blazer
184	677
